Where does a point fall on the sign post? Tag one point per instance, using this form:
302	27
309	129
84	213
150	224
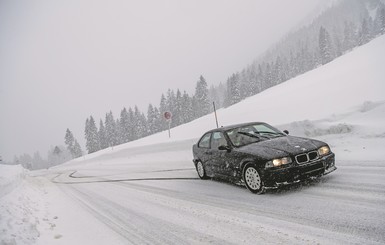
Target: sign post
167	115
215	113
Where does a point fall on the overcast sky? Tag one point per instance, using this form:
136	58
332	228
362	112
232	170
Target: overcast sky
62	61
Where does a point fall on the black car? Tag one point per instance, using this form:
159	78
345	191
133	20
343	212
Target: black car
260	156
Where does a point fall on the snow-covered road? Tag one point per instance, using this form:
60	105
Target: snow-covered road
163	202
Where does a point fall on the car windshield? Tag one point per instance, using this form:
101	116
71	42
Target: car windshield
252	133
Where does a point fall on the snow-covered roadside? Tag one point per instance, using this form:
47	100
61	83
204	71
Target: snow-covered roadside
35	211
18	209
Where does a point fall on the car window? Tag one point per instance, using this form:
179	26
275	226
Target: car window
263	128
239	139
217	140
205	141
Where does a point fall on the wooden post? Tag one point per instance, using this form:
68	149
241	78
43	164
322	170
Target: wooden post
215	112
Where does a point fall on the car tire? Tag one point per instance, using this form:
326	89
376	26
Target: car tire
201	170
253	180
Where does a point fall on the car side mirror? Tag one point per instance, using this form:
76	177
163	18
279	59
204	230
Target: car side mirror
224	148
286	132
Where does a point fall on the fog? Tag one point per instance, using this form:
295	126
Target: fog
62	61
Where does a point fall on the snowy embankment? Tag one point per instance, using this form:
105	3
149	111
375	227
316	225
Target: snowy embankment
17	217
147	192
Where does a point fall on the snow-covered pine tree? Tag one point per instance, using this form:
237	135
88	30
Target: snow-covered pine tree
157	120
124	126
187	110
131	124
111	131
202	106
72	144
92	138
379	21
382	21
140	123
171	106
151	119
364	34
177	112
118	132
77	150
102	135
69	140
324	46
162	109
233	90
268	82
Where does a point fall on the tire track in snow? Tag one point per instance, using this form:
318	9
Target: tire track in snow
357	212
135	226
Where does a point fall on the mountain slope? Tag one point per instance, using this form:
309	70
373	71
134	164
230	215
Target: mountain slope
338	87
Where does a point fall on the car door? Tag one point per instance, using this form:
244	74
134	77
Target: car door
220	161
205	151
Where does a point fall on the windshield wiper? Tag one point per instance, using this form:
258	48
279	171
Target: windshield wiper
268	132
253	135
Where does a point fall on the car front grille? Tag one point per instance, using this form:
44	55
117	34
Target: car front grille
306	157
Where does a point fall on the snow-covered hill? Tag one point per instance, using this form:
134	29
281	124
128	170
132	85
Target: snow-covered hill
341	93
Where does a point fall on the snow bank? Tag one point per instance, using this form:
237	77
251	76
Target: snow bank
16	220
10	178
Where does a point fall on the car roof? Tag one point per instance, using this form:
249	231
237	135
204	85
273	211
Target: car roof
229	127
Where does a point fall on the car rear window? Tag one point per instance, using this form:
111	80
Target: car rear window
205	141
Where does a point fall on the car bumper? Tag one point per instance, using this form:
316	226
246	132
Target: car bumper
296	173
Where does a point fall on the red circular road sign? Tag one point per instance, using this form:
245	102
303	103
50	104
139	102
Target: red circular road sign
167	115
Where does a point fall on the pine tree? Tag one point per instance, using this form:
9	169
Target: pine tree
151	119
77	150
382	21
170	102
118	132
364	35
379	22
187	111
157	120
92	138
268	83
125	126
131	125
177	112
162	109
202	105
102	135
72	144
140	124
324	46
111	130
69	140
233	91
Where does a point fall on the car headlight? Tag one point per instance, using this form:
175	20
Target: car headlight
324	150
278	162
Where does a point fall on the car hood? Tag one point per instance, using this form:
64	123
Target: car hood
281	147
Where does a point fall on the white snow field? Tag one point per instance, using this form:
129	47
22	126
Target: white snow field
147	191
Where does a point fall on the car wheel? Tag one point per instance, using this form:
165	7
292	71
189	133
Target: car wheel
201	170
253	180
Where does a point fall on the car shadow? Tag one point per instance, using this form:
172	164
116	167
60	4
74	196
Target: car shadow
284	189
300	186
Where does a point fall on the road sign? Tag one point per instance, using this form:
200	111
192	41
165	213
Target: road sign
167	115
